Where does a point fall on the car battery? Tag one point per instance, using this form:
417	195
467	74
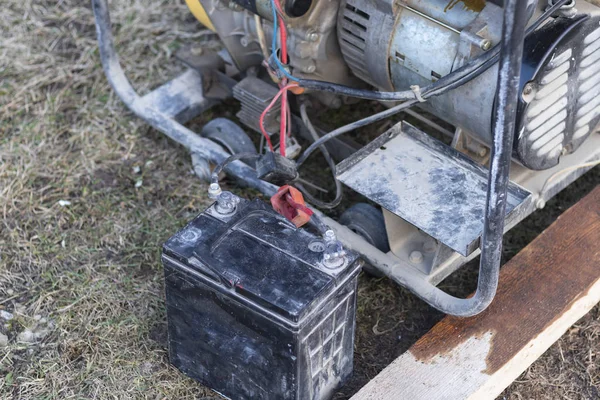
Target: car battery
255	308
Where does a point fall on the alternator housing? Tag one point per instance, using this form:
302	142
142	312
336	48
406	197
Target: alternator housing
394	45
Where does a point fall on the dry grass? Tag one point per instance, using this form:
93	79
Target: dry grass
86	276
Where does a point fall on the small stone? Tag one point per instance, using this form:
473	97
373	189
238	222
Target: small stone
43	320
26	336
137	169
139	183
10	292
37	317
64	203
5	315
3	340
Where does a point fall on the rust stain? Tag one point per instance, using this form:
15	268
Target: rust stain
471	5
536	287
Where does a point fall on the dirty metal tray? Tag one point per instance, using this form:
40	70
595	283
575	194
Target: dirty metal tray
434	187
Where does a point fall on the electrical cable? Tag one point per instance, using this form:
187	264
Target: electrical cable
280	66
590	164
338	185
261	121
283	121
235	157
352	126
282	32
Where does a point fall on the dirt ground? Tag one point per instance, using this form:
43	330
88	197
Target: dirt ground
88	193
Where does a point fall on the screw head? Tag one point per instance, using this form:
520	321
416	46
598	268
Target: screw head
313	36
310	69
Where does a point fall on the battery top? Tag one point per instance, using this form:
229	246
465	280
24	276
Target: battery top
259	255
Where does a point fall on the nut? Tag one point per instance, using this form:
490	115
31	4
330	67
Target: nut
416	257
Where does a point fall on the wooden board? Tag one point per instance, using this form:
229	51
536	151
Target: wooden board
543	290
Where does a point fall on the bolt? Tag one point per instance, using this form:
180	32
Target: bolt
486	44
244	41
312	36
528	89
416	257
540	203
234	6
310	69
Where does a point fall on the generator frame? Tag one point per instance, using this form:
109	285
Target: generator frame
188	95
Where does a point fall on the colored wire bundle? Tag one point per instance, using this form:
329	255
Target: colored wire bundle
279	31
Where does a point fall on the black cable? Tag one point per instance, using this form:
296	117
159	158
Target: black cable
339	190
235	157
468	72
352	126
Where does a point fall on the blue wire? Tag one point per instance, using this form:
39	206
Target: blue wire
274	45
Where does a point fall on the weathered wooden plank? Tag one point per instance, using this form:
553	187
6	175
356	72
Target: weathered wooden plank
543	290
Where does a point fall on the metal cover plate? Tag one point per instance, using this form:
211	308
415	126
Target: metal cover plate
431	185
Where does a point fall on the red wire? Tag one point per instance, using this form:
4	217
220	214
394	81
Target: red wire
282	33
289	118
283	123
261	121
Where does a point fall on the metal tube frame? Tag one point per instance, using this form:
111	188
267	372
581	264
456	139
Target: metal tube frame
415	281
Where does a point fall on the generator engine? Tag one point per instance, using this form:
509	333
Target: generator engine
394	45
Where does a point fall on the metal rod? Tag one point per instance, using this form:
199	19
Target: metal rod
504	123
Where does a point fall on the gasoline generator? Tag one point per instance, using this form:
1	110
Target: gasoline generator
504	100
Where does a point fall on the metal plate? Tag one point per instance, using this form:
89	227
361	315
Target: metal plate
425	182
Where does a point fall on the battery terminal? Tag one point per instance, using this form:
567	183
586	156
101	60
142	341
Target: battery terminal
226	202
334	255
